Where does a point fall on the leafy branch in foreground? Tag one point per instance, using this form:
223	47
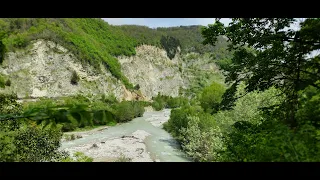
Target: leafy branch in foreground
268	52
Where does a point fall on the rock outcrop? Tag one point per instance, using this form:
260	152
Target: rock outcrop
44	69
153	71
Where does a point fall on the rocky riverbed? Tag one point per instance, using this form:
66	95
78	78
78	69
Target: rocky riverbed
140	140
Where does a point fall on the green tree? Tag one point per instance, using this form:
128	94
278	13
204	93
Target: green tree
170	44
268	52
211	97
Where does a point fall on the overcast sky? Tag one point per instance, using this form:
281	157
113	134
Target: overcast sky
163	22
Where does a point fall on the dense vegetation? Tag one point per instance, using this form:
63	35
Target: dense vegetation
32	131
189	37
93	41
270	108
80	111
162	101
22	140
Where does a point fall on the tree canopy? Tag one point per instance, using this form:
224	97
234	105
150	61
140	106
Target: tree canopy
270	52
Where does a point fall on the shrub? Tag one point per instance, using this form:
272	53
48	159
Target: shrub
26	142
137	87
127	110
138	108
158	106
159	102
20	41
110	99
103	117
8	82
9	104
74	78
201	145
176	102
68	127
178	119
271	141
124	111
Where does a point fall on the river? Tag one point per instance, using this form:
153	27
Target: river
142	140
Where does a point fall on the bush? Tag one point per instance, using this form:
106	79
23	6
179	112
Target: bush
20	41
68	127
249	107
24	140
8	82
110	99
74	78
103	117
127	110
178	119
9	104
138	108
271	141
201	145
36	144
159	102
177	102
158	106
124	112
137	87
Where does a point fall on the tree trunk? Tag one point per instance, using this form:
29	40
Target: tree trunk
294	102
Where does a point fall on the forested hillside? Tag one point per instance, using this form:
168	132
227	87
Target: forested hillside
188	38
251	89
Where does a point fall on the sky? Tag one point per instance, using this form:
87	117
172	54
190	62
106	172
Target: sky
163	22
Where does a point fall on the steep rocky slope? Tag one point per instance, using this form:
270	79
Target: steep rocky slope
44	69
153	71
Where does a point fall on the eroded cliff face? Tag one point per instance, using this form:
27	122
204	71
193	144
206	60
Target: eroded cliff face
153	71
44	69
